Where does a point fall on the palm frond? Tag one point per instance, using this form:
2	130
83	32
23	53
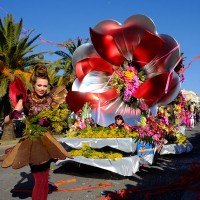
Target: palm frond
60	80
3	43
3	86
18	29
1	25
63	54
28	44
21	44
10	35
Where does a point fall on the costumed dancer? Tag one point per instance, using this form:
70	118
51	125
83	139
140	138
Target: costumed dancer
41	149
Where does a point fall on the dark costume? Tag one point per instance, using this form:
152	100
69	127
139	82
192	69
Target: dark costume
123	125
120	126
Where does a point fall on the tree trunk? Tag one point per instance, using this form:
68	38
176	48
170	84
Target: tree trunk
8	132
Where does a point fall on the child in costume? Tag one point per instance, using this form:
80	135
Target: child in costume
37	148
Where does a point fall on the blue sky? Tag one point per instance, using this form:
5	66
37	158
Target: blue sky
61	20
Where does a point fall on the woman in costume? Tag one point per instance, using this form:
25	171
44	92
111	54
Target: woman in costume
37	147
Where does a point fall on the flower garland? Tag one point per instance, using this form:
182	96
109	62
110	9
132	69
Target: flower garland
88	152
103	132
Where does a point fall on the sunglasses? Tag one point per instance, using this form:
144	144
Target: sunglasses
118	119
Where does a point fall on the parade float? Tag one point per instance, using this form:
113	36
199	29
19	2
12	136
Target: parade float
129	70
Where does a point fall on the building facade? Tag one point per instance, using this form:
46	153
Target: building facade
191	96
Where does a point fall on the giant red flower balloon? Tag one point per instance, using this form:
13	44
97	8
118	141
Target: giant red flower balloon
136	44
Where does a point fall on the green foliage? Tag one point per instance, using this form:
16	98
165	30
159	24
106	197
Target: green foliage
62	70
86	110
13	47
35	130
16	53
3	86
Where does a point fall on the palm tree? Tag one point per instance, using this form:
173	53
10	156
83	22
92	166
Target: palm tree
15	57
62	71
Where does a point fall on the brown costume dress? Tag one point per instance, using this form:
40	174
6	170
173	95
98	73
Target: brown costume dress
42	149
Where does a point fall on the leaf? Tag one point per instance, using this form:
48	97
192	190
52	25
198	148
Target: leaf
3	86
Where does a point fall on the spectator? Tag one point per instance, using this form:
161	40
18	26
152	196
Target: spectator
192	115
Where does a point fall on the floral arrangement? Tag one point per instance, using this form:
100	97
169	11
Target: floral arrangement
180	138
81	120
156	129
149	130
103	132
179	109
126	80
176	111
54	119
88	152
176	137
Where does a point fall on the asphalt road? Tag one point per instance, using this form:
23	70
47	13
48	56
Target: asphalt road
170	177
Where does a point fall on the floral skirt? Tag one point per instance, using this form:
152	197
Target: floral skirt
34	152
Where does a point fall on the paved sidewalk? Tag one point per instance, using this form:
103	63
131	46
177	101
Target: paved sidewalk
77	181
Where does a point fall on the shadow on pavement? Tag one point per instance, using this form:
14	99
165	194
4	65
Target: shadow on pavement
24	186
162	180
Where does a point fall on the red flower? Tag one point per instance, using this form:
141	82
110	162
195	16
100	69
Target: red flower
113	44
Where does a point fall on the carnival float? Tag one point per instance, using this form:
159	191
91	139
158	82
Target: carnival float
130	70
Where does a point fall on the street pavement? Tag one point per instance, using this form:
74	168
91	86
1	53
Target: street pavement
174	177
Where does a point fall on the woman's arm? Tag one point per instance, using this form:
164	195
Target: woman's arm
15	113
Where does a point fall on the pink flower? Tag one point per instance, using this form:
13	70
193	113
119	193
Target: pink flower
81	125
143	106
156	137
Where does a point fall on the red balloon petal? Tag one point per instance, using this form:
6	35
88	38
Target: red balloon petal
173	90
76	99
87	65
143	49
109	52
148	48
153	89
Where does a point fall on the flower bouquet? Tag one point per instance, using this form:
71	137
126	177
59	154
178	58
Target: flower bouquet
54	120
